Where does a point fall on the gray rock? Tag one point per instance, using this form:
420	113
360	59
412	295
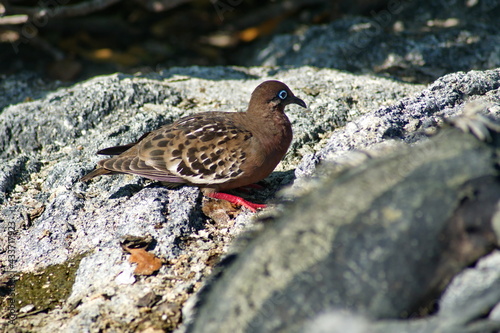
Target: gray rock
92	218
23	86
410	118
471	286
54	121
57	217
382	239
81	210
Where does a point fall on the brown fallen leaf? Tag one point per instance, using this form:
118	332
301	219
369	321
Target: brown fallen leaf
146	262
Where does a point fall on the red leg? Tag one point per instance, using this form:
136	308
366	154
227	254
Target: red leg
236	200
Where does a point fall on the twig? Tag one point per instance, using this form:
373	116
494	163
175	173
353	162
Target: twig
79	9
13	19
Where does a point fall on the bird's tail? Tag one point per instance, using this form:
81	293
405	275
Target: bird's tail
95	173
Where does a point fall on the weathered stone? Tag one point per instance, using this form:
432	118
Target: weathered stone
382	239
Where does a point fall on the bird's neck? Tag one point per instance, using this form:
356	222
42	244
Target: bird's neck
273	129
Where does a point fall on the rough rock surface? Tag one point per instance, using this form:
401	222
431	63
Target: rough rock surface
49	143
381	239
57	218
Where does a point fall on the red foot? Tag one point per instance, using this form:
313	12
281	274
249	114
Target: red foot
236	200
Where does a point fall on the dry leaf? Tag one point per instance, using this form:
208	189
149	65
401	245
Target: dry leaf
146	262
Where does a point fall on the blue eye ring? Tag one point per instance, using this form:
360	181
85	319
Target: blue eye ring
282	94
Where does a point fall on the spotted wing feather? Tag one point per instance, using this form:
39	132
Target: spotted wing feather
134	165
203	149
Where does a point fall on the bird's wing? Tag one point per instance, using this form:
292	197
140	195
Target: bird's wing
201	149
134	165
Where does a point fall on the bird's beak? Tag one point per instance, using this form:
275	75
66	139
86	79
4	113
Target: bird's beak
298	101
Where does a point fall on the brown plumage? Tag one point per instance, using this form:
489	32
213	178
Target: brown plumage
216	151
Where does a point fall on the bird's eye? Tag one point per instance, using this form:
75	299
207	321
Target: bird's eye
282	94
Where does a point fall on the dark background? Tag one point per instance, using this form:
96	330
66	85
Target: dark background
80	39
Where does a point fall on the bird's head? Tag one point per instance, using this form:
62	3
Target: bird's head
275	95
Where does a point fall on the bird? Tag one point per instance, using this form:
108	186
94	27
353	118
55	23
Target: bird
216	151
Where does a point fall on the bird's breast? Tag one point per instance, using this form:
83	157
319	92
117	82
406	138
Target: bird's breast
264	153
